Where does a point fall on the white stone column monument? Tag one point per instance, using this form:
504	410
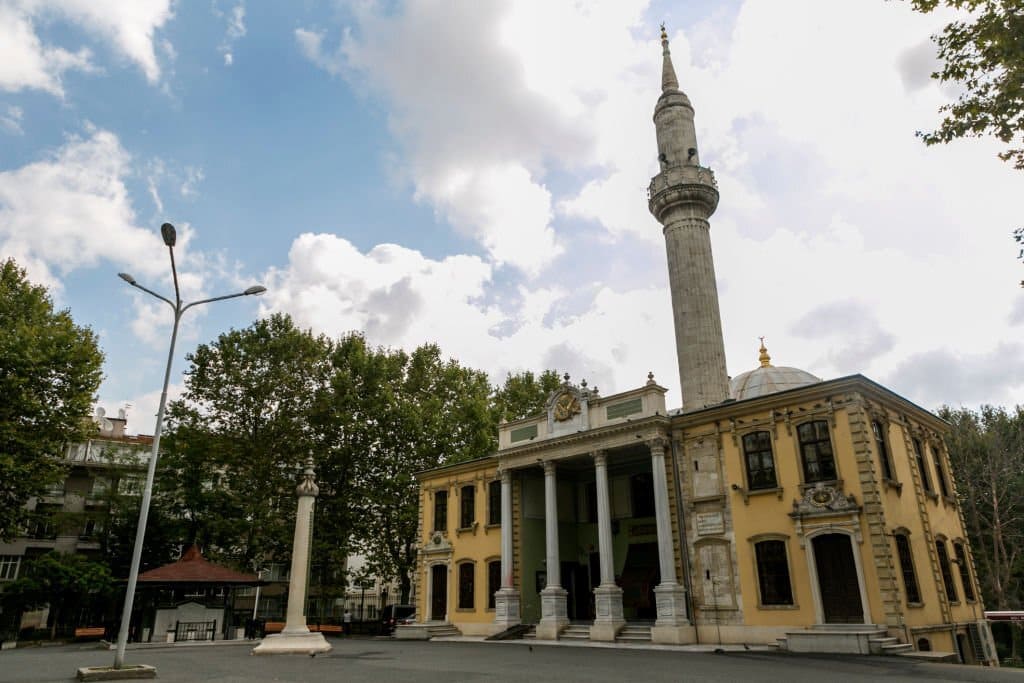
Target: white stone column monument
607	596
554	614
672	625
506	600
296	637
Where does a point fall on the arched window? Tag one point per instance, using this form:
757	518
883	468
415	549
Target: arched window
757	455
440	511
816	452
965	569
947	572
493	581
882	446
466	585
773	572
906	558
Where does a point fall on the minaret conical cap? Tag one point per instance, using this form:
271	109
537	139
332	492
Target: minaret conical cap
669	82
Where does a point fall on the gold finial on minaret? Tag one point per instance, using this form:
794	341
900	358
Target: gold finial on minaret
664	34
669	82
766	360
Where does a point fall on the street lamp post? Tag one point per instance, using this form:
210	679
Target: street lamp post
168	233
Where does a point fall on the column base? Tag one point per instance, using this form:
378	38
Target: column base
506	607
554	614
609	620
671	601
292	644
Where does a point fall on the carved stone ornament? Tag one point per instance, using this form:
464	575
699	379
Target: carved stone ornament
566	406
824	499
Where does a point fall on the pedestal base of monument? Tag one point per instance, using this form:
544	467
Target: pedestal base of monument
109	673
608	607
286	643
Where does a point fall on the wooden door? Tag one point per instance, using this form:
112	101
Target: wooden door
438	592
837	580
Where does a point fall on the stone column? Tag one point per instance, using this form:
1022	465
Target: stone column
607	596
671	626
553	609
296	638
506	600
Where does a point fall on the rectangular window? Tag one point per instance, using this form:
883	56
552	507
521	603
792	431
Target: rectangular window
440	511
940	472
493	581
947	572
816	452
883	450
773	573
494	502
965	570
9	565
466	585
922	466
907	569
757	453
467	506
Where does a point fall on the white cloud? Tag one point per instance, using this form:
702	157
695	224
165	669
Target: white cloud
27	63
236	30
10	120
400	298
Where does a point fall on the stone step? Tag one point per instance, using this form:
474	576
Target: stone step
877	644
897	648
575	632
781	644
633	633
856	628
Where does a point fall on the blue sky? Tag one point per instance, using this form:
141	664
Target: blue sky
474	174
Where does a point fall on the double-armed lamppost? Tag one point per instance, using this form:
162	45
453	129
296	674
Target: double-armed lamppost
170	236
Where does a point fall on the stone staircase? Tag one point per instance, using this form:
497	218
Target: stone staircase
442	630
634	633
858	639
575	632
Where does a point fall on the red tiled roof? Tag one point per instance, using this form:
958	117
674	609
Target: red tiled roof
194	568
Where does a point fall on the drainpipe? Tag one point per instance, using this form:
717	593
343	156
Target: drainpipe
685	552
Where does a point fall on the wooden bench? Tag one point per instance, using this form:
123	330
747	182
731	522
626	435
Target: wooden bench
90	632
273	627
329	628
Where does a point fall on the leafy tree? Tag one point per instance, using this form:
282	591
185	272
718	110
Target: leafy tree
431	413
987	456
70	584
984	55
524	394
237	437
50	369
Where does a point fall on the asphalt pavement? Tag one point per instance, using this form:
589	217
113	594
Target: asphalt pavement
383	660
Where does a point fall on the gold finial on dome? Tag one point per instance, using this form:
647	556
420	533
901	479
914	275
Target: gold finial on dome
766	360
664	33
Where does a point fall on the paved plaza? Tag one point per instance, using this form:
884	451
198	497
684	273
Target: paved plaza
377	660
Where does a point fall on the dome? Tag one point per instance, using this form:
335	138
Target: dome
768	379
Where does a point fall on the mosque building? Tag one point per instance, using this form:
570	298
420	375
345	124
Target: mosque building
775	508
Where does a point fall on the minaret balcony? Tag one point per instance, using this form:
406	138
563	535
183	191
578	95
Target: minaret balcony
676	186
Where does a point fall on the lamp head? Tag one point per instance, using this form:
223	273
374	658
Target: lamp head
255	289
127	278
168	233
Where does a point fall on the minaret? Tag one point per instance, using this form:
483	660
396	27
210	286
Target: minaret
682	197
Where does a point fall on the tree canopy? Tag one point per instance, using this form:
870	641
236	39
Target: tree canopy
984	55
50	369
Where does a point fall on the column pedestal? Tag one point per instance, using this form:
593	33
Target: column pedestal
554	613
609	620
672	626
506	608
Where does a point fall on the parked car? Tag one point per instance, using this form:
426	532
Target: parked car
393	615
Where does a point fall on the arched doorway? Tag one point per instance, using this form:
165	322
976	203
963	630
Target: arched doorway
838	584
438	592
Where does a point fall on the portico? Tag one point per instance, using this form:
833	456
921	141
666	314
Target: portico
596	543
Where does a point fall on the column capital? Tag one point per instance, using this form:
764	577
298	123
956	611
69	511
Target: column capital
506	476
600	457
549	468
658	444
